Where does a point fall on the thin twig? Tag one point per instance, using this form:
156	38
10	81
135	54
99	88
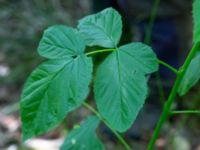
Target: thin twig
120	138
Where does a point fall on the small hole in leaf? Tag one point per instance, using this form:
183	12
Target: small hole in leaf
74	57
134	72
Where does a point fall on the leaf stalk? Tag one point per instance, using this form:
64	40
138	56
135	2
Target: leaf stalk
166	111
168	66
113	49
120	138
177	112
100	51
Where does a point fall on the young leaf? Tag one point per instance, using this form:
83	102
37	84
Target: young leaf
191	76
53	89
61	41
84	137
196	19
121	84
102	29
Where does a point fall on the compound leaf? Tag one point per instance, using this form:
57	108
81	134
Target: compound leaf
102	29
191	76
196	19
84	137
60	42
121	84
52	90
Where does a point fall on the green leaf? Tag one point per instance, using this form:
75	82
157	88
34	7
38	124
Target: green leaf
191	76
121	84
61	42
196	19
52	90
102	29
84	137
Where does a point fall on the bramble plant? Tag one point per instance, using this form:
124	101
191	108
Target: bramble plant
61	84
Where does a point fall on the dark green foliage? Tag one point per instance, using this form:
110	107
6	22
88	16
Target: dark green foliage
60	85
102	29
192	74
57	86
196	20
84	137
121	85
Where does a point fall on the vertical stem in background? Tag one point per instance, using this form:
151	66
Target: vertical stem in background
160	88
147	38
171	98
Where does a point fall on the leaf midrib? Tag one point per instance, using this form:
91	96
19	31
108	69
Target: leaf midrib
121	85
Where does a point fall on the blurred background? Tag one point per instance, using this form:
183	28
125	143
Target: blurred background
22	23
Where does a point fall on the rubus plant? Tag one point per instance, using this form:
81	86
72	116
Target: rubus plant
61	84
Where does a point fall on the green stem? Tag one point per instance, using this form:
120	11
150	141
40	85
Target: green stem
176	112
100	51
168	66
147	39
169	102
160	88
110	50
120	138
